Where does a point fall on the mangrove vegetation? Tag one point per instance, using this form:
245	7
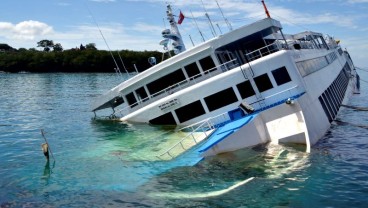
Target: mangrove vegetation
87	58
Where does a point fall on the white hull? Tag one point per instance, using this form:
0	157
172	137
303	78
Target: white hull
256	66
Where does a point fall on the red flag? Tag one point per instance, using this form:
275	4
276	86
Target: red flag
181	18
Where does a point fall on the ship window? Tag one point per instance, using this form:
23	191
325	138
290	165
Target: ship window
263	83
323	104
281	76
207	63
131	99
220	99
192	69
141	93
245	89
190	111
166	81
166	119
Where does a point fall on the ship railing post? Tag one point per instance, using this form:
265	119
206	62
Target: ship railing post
168	152
195	141
181	144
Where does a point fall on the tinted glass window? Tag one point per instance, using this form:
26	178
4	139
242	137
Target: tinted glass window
166	119
263	83
141	93
166	81
131	99
281	75
190	111
220	99
245	89
207	63
192	69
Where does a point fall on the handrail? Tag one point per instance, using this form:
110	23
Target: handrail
209	126
296	86
277	93
212	124
258	53
173	88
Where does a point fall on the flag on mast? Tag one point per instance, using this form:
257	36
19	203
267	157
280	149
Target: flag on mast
181	18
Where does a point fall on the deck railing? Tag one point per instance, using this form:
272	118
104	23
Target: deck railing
197	133
179	86
204	128
264	51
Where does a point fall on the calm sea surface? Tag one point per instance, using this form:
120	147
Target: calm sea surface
112	164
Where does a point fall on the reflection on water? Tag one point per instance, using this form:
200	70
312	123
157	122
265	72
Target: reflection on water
113	164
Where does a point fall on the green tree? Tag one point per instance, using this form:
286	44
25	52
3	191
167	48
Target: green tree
45	44
57	47
91	46
6	47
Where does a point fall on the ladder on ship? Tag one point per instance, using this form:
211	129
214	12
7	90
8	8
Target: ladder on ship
196	134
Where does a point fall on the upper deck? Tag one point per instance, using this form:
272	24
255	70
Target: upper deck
204	61
257	30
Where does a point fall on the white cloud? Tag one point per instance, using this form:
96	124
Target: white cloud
143	27
26	30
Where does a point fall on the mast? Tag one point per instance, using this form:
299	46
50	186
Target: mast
173	33
266	10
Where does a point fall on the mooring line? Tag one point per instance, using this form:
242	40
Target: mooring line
355	107
351	124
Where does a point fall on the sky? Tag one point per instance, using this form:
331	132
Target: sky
137	24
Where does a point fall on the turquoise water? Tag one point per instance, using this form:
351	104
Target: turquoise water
112	164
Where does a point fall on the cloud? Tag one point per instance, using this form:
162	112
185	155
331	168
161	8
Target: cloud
26	30
117	36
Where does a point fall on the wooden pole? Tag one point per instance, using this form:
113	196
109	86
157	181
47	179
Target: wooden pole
48	146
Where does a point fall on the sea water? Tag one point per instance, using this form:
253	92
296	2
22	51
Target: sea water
114	164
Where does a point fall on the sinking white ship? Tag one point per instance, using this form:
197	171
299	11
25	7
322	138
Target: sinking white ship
250	86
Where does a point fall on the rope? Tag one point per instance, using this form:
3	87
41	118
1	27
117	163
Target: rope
355	107
366	70
348	123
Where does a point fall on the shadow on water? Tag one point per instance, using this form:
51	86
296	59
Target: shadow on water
47	171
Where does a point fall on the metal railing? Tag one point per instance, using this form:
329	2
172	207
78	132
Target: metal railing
197	135
266	50
204	128
272	99
179	86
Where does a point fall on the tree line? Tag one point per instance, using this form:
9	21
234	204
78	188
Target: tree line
86	58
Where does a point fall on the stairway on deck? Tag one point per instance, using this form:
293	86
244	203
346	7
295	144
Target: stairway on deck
193	154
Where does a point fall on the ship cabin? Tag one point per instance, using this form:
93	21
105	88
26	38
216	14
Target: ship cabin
214	77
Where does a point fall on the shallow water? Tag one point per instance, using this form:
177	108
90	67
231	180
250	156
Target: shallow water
112	164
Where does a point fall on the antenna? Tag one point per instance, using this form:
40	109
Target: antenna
197	26
126	71
266	10
191	40
218	26
117	70
209	20
226	21
173	33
